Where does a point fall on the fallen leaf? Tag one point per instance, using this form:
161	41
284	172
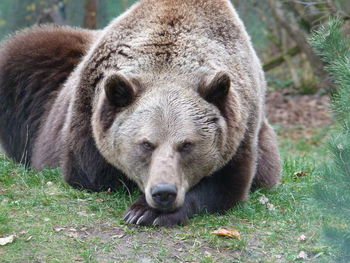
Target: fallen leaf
15	173
263	200
282	208
7	240
29	238
227	232
100	200
302	255
300	174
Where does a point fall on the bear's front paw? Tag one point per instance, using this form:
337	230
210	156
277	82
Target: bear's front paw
140	213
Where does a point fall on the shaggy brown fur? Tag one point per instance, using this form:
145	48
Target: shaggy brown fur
34	64
170	92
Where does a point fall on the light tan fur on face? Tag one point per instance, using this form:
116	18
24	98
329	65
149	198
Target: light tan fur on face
165	168
165	118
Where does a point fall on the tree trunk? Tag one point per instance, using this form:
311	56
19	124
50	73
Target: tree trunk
279	59
299	36
54	13
25	13
124	4
90	17
288	60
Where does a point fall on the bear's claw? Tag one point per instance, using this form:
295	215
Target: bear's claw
142	214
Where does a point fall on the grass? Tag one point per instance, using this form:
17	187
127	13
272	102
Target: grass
55	223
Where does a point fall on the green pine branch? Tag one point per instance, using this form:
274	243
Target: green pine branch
333	191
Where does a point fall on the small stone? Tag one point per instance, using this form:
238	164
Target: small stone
263	200
302	255
302	238
146	260
271	207
72	234
5	201
82	213
207	254
340	147
58	229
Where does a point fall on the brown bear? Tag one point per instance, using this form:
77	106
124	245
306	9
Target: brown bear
170	95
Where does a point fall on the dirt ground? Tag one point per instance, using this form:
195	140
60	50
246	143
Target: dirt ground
306	111
151	246
135	244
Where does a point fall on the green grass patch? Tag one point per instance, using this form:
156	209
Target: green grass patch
56	223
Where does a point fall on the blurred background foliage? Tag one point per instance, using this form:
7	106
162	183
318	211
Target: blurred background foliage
17	14
279	30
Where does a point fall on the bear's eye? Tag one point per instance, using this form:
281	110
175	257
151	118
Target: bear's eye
147	146
185	147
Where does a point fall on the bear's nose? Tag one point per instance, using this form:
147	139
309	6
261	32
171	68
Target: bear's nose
164	194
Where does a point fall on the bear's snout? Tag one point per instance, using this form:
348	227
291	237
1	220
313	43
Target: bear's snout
164	195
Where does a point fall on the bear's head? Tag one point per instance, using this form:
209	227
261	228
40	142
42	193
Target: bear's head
166	136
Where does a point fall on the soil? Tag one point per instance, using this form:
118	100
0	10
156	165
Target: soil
132	244
306	111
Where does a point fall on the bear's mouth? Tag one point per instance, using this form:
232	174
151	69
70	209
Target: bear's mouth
163	208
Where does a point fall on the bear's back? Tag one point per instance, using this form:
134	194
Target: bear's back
177	41
34	63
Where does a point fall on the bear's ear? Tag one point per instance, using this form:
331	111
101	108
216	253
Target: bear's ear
119	90
215	91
